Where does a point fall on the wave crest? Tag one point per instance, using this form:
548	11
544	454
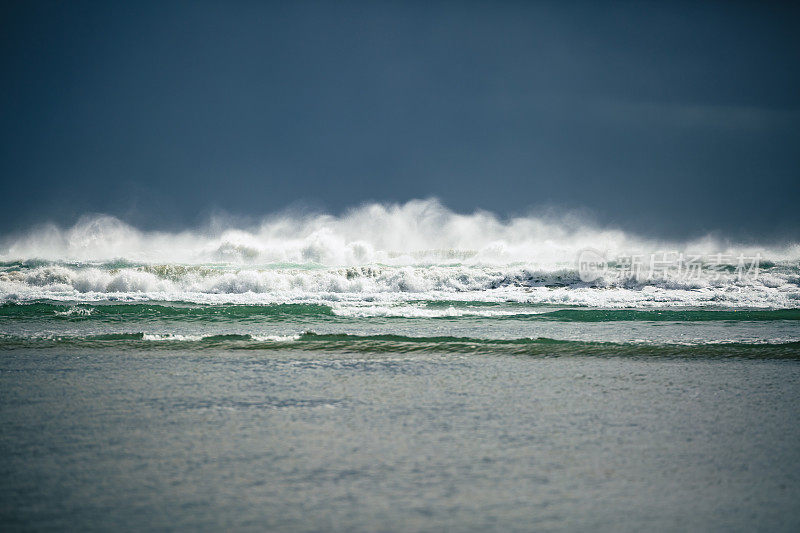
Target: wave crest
417	232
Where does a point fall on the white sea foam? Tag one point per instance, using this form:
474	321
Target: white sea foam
417	232
359	310
374	260
170	337
377	290
194	338
275	338
75	311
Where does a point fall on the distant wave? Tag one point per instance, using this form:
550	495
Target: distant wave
380	256
419	232
776	286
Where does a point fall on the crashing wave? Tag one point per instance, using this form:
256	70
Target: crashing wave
380	253
417	232
778	287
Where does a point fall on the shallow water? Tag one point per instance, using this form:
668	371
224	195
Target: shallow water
311	441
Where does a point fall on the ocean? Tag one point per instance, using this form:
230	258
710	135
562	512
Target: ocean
396	368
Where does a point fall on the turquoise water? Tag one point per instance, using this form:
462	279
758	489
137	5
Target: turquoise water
493	328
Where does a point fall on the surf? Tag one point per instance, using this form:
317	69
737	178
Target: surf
416	232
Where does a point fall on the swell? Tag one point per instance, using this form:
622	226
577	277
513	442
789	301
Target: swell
109	312
671	315
400	344
134	311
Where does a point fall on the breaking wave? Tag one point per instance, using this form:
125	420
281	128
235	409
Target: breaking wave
774	287
417	232
377	255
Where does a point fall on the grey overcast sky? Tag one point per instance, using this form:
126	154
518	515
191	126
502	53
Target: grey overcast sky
666	118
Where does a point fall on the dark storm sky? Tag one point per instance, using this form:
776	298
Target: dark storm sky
665	118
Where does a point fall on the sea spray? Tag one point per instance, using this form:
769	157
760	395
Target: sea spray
414	233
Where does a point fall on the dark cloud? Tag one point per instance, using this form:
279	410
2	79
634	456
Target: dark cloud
670	119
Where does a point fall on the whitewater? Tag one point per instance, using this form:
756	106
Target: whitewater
376	257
